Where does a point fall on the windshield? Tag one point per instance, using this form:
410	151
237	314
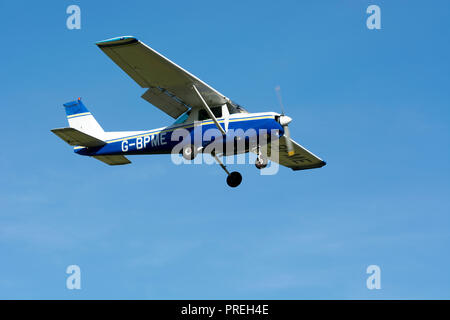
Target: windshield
233	107
183	117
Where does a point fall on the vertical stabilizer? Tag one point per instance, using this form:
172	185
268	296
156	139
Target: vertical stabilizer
81	119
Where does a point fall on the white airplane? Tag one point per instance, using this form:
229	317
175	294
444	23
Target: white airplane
195	105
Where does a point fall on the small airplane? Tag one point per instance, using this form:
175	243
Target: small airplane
194	104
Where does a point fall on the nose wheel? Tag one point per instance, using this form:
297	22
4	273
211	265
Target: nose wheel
261	162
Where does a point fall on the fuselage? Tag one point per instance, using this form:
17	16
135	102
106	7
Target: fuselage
163	140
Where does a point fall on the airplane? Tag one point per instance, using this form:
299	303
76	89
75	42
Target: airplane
195	105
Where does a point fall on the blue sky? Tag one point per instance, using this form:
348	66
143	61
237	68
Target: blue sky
373	103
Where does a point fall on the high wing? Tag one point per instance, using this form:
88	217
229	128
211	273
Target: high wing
301	160
170	87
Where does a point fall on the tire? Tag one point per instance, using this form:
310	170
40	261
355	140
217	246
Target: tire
234	179
262	163
189	152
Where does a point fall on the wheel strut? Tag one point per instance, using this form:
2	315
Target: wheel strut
233	178
224	167
260	162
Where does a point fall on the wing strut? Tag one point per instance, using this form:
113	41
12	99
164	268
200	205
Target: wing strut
213	117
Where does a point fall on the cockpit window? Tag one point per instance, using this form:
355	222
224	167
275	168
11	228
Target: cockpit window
181	119
203	114
233	107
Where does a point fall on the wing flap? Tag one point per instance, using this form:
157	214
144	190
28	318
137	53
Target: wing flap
75	137
113	160
302	159
165	102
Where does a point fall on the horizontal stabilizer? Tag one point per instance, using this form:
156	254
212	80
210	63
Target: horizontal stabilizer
75	137
113	160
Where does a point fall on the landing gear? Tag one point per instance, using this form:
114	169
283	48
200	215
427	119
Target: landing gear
189	152
234	178
261	162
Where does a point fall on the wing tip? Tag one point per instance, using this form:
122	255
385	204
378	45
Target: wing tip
314	166
117	41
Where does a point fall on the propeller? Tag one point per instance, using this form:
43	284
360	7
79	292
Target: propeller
284	121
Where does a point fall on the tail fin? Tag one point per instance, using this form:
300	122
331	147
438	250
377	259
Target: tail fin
81	119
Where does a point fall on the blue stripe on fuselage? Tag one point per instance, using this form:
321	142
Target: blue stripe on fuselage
160	140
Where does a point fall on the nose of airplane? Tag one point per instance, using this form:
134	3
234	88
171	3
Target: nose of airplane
285	120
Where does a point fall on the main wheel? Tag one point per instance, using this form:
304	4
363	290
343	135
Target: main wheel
261	163
189	152
234	179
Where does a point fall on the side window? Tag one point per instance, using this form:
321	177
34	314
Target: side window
183	117
203	114
217	111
